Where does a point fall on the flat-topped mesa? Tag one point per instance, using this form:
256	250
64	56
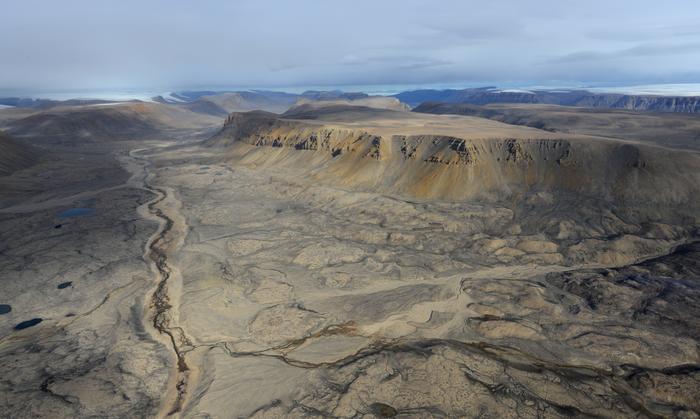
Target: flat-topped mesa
262	129
439	166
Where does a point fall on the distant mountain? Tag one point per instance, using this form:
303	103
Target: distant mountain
582	98
223	103
310	109
23	102
333	95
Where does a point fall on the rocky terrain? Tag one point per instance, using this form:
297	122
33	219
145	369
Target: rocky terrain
349	261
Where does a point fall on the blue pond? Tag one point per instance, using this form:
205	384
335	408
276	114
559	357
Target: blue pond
28	323
76	212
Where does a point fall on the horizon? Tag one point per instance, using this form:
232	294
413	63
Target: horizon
663	89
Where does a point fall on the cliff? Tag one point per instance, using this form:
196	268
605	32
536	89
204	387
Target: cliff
481	164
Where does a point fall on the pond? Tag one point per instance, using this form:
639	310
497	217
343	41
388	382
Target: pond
28	323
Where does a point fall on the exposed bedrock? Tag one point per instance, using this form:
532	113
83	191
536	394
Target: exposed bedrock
644	181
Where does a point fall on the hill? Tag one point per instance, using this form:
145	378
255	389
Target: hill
119	121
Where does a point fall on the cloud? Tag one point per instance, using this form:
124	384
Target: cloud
175	43
638	51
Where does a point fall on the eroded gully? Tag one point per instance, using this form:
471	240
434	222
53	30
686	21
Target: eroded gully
163	209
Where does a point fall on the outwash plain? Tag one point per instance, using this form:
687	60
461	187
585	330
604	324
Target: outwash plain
265	256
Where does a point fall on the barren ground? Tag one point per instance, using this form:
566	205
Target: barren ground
197	284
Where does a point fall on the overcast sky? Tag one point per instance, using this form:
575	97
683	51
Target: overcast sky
164	44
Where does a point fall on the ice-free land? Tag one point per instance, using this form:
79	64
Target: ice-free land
259	254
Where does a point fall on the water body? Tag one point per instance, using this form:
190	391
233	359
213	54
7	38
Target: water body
63	285
5	308
28	323
383	410
76	212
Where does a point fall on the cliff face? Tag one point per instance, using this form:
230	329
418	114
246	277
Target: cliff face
447	167
642	103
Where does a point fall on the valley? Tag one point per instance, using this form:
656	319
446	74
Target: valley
346	259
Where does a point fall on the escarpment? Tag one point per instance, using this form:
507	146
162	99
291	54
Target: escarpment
577	98
491	165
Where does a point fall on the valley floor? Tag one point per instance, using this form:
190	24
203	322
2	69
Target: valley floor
207	289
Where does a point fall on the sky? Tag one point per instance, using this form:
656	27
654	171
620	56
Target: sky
175	44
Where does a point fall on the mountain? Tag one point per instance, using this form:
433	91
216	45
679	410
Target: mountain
582	98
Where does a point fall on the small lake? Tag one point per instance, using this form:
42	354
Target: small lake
28	323
76	212
5	308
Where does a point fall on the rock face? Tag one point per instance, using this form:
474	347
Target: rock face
583	98
497	167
